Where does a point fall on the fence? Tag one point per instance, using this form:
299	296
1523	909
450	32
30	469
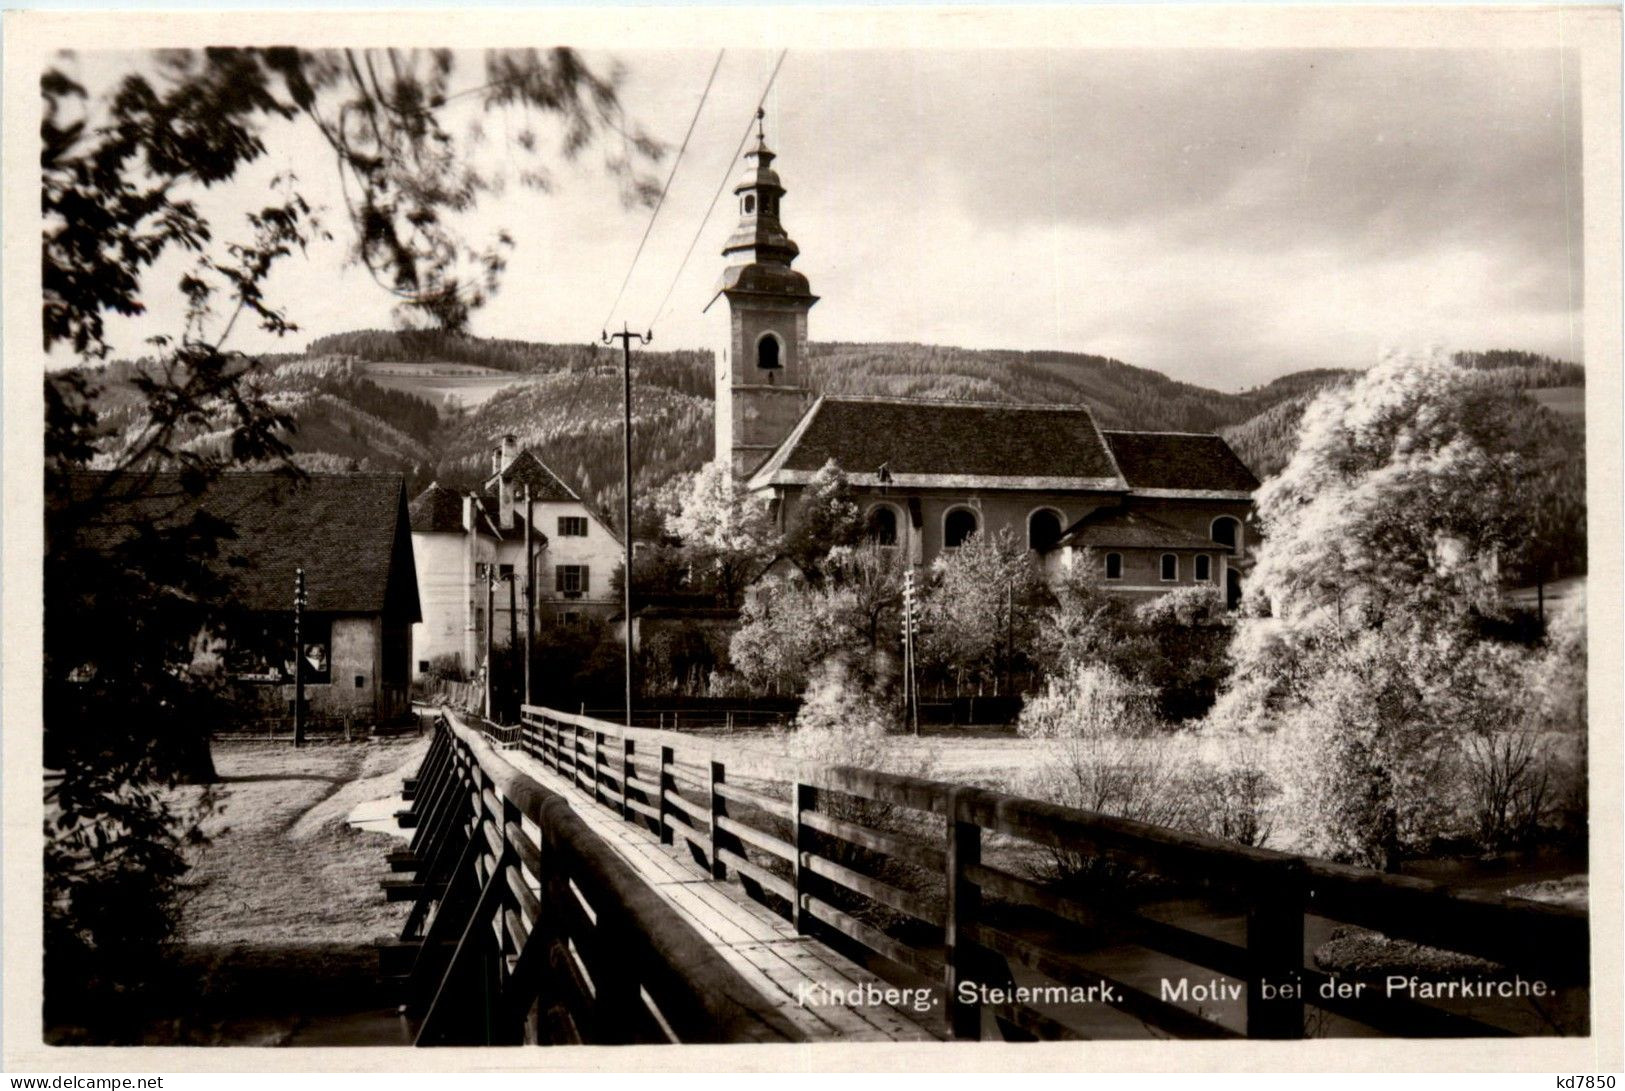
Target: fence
526	927
921	880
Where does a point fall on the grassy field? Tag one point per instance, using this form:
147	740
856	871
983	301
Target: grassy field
1568	400
448	385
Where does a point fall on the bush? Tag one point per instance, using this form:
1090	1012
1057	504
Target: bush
844	722
1233	797
1089	700
1112	755
1108	758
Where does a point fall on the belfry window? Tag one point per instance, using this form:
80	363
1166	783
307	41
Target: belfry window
750	203
767	353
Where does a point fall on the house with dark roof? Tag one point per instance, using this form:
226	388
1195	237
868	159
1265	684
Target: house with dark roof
1147	511
480	555
351	536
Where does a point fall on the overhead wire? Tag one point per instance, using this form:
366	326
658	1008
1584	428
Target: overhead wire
727	174
661	201
581	378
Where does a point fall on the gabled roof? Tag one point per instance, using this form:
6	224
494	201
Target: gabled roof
350	532
437	508
1128	529
528	470
915	443
1185	462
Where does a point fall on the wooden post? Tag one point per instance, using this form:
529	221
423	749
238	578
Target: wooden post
719	808
1275	950
964	902
804	797
597	781
530	594
628	747
665	782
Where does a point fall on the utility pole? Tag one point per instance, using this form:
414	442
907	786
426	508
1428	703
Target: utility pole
513	627
298	658
490	609
1009	624
911	689
530	593
625	338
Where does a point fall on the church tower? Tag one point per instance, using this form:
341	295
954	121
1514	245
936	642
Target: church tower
761	385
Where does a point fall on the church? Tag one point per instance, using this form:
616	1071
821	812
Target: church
1148	511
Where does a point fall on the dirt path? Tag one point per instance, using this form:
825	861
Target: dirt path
282	864
283	903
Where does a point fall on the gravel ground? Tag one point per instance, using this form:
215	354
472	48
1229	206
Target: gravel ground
282	865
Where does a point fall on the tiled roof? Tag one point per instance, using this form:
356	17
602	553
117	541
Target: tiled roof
350	533
528	470
939	443
1183	461
1129	529
437	508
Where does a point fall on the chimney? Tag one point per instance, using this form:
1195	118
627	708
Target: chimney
505	488
468	513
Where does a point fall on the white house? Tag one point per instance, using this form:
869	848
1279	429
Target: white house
459	538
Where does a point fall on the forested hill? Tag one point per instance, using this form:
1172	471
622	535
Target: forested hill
565	401
1121	395
1266	441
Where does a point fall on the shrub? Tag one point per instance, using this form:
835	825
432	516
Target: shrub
1234	797
1088	700
844	722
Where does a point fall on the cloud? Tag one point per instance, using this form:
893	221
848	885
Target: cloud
1222	215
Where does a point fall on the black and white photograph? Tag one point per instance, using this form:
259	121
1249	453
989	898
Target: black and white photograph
827	532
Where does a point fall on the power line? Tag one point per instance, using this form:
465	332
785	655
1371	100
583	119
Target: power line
727	174
665	189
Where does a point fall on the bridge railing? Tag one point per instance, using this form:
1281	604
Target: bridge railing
527	927
933	884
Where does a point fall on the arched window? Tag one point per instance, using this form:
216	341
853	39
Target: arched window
959	525
1204	568
767	352
750	203
1227	531
1114	566
1170	568
883	526
1043	528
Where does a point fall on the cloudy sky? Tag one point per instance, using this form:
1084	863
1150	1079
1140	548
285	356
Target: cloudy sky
1223	216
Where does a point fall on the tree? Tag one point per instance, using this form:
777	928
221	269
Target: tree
826	517
981	614
1368	645
726	532
1404	489
792	627
132	599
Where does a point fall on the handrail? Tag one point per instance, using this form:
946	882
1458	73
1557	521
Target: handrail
794	845
540	932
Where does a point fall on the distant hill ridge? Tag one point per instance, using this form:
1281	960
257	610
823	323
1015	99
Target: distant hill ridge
566	401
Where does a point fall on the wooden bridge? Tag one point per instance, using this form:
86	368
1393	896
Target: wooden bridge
576	881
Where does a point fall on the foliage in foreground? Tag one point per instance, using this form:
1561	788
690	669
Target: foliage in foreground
131	601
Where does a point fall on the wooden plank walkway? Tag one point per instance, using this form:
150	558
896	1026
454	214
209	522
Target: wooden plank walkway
797	972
